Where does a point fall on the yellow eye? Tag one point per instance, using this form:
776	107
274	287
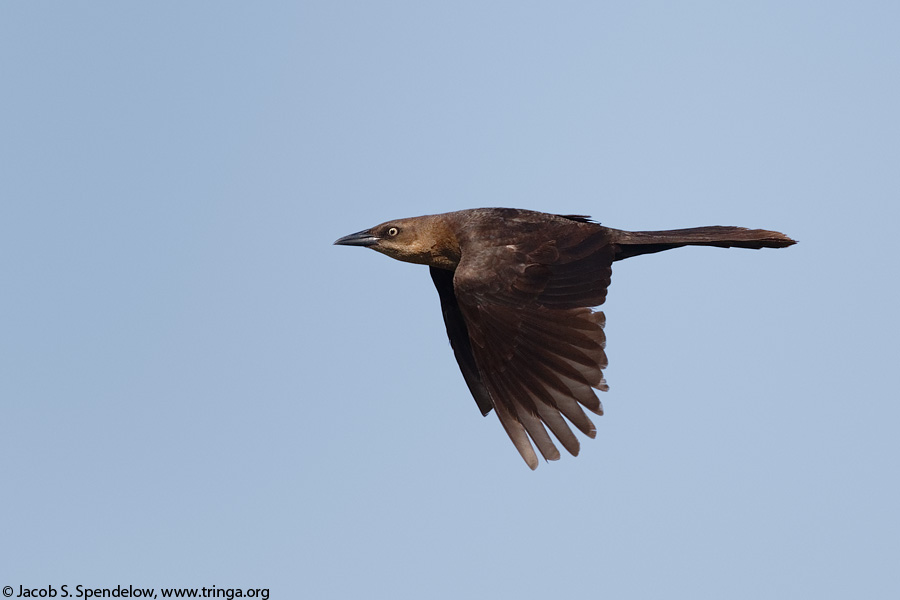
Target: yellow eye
392	231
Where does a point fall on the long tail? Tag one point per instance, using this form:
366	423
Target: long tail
634	243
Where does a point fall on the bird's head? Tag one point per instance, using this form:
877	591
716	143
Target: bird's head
422	240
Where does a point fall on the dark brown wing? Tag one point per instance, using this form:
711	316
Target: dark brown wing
537	346
459	338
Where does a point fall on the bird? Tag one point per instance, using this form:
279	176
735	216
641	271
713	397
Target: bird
518	291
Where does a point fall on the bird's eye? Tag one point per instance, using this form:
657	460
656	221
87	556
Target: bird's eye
392	231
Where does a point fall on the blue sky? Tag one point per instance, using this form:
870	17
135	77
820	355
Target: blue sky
197	388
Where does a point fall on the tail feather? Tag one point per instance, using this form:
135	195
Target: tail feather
634	243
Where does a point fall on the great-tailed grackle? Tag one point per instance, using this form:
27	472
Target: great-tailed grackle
516	289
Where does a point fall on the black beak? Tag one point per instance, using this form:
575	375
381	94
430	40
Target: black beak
360	238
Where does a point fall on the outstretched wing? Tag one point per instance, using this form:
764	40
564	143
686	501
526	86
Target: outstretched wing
536	345
459	338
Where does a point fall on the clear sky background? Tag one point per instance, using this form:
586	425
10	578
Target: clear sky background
197	388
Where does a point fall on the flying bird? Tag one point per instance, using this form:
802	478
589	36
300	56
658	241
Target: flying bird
517	290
